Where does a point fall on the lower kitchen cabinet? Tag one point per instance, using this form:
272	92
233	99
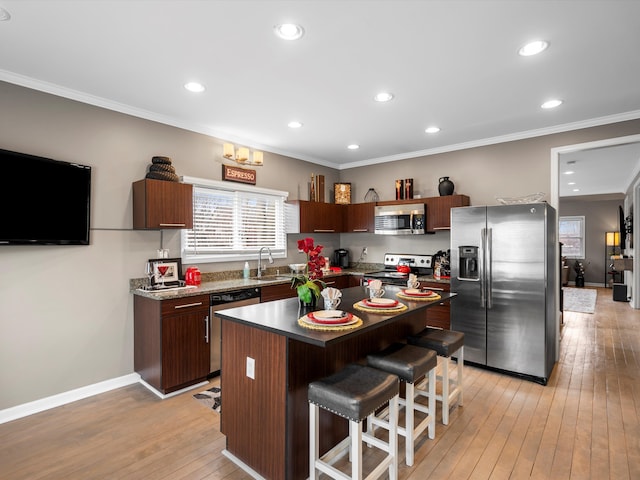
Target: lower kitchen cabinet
279	291
171	341
438	316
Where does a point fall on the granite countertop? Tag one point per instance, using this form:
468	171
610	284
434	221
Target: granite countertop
220	285
220	282
281	316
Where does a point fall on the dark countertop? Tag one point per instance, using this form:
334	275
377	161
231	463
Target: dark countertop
281	316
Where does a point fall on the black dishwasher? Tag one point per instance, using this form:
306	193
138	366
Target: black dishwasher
220	301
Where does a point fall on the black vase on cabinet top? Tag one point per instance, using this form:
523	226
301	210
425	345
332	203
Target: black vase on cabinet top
445	186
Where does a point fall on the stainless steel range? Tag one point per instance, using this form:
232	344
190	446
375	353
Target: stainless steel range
417	264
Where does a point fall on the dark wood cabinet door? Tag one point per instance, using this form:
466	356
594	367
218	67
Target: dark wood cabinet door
359	217
269	293
439	210
438	316
318	217
185	348
162	204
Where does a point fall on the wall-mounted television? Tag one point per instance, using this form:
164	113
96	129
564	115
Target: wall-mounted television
43	201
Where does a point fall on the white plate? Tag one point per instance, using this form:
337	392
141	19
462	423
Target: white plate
380	302
308	321
330	315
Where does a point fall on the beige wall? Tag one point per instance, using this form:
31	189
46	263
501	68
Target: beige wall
600	217
66	315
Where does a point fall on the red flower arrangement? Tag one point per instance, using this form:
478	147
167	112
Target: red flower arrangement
308	285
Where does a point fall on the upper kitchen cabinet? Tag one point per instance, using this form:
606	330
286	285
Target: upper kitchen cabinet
359	217
439	210
162	204
314	217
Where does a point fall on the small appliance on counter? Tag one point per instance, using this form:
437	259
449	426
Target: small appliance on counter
341	258
441	265
398	267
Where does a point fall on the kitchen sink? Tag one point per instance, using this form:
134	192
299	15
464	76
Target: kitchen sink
271	278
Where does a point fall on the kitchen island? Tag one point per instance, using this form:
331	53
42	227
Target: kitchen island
268	360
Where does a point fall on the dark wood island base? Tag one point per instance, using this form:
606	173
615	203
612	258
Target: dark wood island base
265	418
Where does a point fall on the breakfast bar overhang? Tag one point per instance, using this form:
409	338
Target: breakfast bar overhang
265	418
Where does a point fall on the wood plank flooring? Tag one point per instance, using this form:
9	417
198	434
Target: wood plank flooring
583	425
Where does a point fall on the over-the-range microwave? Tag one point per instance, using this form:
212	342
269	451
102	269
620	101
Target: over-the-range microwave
407	219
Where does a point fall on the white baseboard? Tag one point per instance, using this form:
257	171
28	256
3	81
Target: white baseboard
26	409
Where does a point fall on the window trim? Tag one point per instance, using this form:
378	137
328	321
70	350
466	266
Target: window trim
189	258
582	220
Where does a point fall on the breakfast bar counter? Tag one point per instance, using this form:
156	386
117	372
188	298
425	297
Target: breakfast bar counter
269	358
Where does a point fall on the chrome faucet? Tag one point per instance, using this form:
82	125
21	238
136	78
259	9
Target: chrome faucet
260	267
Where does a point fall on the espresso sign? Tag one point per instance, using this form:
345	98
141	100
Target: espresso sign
237	174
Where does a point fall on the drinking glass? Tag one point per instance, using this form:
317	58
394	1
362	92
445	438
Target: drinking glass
148	269
162	270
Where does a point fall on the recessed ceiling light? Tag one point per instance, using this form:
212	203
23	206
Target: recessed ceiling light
353	146
551	104
294	124
432	129
576	189
571	183
194	87
289	31
569	172
383	97
533	48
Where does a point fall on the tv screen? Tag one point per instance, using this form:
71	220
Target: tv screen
49	204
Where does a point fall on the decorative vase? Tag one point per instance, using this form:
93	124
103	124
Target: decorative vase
445	186
308	305
371	196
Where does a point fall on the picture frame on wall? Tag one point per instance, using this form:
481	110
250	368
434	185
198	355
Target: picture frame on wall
342	193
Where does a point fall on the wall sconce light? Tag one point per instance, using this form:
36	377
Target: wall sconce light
613	239
241	155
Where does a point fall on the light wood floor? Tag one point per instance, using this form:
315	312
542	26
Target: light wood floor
583	425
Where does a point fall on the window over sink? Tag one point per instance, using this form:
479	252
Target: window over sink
233	221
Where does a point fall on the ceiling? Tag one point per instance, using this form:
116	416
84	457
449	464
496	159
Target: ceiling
453	64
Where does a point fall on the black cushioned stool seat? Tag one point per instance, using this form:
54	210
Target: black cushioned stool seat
410	364
353	393
446	343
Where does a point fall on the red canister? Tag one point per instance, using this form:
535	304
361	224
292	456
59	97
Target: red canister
192	276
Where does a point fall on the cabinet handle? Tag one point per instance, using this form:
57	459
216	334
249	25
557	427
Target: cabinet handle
360	230
187	305
173	224
206	323
321	230
436	289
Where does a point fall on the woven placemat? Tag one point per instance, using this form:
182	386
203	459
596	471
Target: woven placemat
330	328
401	307
418	299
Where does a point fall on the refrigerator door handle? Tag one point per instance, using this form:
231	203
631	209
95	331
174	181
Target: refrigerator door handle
489	243
481	277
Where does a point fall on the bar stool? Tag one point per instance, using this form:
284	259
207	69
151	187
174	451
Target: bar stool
410	364
446	343
353	393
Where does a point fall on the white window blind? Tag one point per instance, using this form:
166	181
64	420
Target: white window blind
232	222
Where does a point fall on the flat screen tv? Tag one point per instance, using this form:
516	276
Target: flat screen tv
49	203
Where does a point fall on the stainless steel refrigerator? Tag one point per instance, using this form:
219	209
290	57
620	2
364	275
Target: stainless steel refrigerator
503	262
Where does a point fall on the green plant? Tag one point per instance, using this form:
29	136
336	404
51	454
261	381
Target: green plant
308	284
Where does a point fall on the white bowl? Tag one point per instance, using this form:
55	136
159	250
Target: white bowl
297	267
